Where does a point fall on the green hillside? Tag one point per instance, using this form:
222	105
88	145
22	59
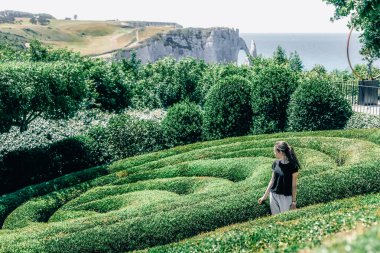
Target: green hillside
147	201
86	37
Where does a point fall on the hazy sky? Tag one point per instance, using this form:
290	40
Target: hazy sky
260	16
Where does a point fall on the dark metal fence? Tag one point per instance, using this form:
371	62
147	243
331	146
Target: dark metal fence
364	97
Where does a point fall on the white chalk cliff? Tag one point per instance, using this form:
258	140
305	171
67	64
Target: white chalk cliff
214	45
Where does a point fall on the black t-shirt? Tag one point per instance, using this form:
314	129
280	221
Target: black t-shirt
283	177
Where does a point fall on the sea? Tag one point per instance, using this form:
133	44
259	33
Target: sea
327	49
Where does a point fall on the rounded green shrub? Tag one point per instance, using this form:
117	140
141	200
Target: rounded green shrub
182	124
227	111
100	146
317	105
273	84
216	72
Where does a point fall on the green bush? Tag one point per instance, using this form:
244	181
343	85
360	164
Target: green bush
317	105
130	136
190	72
166	79
30	90
214	73
113	89
182	124
177	81
24	167
100	144
72	154
227	111
145	94
273	84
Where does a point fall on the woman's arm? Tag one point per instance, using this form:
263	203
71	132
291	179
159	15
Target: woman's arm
294	190
265	196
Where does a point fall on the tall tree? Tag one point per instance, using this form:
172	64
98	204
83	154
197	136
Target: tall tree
279	55
32	90
365	17
295	61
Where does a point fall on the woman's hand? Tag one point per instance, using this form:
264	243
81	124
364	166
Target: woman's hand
261	200
293	206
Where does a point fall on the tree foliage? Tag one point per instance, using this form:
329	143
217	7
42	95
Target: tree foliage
112	88
31	90
295	62
364	16
279	56
177	81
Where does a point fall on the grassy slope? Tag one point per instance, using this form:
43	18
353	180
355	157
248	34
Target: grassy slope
87	37
169	195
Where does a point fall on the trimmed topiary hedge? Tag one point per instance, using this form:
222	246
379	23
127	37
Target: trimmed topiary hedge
272	87
227	111
292	231
187	190
182	124
317	105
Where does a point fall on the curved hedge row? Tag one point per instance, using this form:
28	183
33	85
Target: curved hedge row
162	197
293	231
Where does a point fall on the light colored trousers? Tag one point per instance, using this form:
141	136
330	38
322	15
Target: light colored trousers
279	203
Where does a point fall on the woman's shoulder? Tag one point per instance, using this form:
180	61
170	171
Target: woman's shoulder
275	163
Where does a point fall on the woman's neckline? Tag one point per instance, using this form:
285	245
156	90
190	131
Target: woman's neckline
280	161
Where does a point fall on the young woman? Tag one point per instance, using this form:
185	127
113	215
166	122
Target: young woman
283	184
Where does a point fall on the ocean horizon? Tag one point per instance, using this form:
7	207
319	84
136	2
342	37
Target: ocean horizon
327	49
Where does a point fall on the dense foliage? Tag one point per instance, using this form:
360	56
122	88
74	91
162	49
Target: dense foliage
317	105
111	84
272	87
30	166
183	124
361	120
365	17
227	111
49	90
129	136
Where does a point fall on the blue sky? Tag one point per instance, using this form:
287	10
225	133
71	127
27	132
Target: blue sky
260	16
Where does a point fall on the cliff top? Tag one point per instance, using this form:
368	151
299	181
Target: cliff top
86	37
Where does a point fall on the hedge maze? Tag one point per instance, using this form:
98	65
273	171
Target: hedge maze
159	201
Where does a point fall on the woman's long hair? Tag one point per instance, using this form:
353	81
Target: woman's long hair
289	152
